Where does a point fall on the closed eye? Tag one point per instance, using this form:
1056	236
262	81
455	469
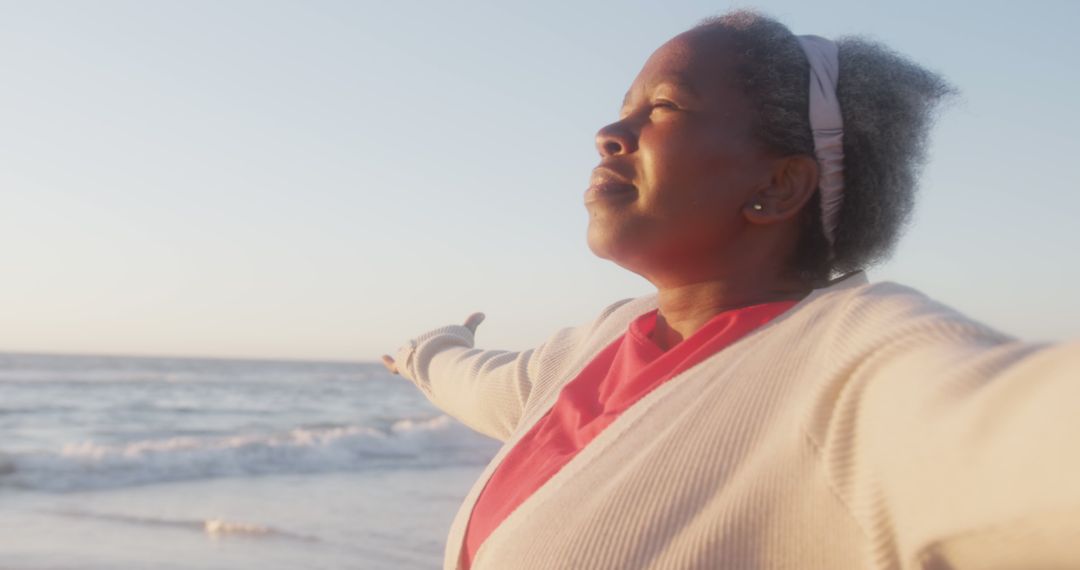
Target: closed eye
664	104
657	104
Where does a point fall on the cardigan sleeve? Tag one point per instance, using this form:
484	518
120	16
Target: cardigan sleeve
958	447
488	390
485	389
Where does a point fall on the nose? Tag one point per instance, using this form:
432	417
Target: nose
615	139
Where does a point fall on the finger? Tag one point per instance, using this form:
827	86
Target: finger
474	321
389	363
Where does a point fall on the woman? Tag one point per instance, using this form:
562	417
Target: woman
767	407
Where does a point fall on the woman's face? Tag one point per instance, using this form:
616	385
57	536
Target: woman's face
679	168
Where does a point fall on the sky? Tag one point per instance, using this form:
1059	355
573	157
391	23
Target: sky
325	180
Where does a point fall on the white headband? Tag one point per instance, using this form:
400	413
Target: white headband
827	126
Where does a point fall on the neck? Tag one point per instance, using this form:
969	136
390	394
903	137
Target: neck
685	308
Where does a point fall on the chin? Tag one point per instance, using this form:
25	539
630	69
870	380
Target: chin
611	245
599	242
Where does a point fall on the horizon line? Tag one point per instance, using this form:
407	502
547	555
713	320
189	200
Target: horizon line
284	359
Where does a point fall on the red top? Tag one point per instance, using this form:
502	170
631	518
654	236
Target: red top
620	375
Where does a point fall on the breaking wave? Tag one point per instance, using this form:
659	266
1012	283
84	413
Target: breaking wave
431	442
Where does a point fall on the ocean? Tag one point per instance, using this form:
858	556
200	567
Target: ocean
144	463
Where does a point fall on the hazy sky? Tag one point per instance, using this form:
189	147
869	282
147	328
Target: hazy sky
328	179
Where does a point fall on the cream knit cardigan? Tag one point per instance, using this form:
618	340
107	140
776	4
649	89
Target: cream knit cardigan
866	427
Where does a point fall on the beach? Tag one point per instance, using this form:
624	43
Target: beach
117	463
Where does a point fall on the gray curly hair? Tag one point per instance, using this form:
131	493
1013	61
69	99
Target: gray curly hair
887	103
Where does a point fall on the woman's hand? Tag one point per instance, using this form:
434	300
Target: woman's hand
471	323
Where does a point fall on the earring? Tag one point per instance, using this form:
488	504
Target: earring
758	206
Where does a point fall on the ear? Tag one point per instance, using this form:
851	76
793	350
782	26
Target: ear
792	182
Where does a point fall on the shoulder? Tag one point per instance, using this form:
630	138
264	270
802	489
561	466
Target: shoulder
897	335
846	324
894	310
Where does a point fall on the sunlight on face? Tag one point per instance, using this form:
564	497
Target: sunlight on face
678	166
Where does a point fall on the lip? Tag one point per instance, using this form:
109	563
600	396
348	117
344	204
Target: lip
604	174
609	186
610	192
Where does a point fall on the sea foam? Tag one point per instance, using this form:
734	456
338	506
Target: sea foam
408	442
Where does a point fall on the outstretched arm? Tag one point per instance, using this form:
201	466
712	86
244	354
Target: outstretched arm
471	323
958	449
485	389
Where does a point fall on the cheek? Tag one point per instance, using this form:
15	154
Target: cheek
692	176
695	189
685	180
679	154
671	154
